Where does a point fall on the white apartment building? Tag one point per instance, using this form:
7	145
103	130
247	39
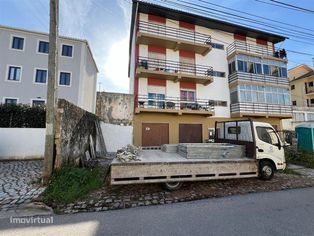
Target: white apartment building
24	65
188	71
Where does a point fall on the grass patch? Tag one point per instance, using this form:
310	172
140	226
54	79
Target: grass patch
71	183
300	158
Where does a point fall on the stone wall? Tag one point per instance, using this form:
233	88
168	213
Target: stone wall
76	133
115	108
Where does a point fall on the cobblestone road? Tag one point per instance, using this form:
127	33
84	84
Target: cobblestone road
17	182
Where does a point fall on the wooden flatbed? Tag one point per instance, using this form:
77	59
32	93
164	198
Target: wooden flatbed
156	166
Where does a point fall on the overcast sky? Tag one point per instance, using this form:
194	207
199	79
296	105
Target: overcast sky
105	24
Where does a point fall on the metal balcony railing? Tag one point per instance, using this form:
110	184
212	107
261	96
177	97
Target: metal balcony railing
257	78
171	32
174	103
256	49
174	67
261	108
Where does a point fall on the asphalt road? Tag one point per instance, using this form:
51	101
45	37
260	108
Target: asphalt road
289	212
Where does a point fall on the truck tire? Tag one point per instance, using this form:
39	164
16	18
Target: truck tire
172	186
266	170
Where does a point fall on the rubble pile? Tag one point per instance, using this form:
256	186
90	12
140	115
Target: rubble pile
128	153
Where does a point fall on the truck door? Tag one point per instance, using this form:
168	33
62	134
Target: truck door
269	146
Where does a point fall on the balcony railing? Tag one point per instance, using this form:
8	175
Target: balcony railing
181	34
257	78
261	109
174	104
174	67
255	49
309	90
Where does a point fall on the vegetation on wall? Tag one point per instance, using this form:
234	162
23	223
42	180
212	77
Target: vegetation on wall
22	116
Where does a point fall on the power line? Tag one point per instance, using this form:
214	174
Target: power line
293	6
273	3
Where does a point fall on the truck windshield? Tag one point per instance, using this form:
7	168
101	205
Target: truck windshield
267	135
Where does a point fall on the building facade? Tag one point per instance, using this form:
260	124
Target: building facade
24	69
302	95
188	71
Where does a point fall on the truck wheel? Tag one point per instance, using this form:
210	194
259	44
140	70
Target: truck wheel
172	186
266	170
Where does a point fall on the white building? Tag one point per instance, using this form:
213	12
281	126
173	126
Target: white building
24	64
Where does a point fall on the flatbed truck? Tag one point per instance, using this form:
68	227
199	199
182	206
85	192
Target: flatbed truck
263	156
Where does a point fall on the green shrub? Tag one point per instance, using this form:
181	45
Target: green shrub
299	158
22	116
71	183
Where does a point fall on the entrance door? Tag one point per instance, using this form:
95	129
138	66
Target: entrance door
190	133
155	134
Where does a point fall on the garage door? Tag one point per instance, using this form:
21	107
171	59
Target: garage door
155	134
190	133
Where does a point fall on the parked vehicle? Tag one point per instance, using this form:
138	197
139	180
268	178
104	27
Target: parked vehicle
263	155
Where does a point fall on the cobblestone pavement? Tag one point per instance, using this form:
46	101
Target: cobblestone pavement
118	197
17	182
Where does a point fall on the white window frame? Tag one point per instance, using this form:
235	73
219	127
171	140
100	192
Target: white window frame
38	99
62	85
7	74
11	41
34	77
37	48
66	44
4	98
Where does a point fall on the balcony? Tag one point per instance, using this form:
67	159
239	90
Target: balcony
175	71
260	110
173	105
309	91
257	78
173	38
256	50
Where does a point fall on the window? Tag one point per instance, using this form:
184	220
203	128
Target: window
283	72
67	50
189	97
312	101
41	76
65	78
258	68
38	103
43	47
266	69
219	74
250	67
292	87
267	135
232	67
10	101
220	103
14	73
294	103
310	84
275	71
218	46
156	100
234	130
17	43
242	66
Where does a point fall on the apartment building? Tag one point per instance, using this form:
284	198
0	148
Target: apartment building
188	71
24	69
302	95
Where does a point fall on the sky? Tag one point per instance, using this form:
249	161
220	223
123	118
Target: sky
106	24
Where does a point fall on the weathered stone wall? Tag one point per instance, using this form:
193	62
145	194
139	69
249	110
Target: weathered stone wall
115	108
76	134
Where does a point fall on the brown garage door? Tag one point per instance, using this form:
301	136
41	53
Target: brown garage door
155	134
190	133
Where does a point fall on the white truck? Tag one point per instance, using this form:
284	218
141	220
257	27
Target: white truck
263	155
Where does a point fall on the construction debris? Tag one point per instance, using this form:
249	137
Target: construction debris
128	153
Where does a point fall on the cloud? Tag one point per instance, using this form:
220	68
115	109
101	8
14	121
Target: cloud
116	66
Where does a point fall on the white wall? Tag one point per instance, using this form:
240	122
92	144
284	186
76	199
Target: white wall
116	136
22	143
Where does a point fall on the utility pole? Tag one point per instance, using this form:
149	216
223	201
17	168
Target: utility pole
51	105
